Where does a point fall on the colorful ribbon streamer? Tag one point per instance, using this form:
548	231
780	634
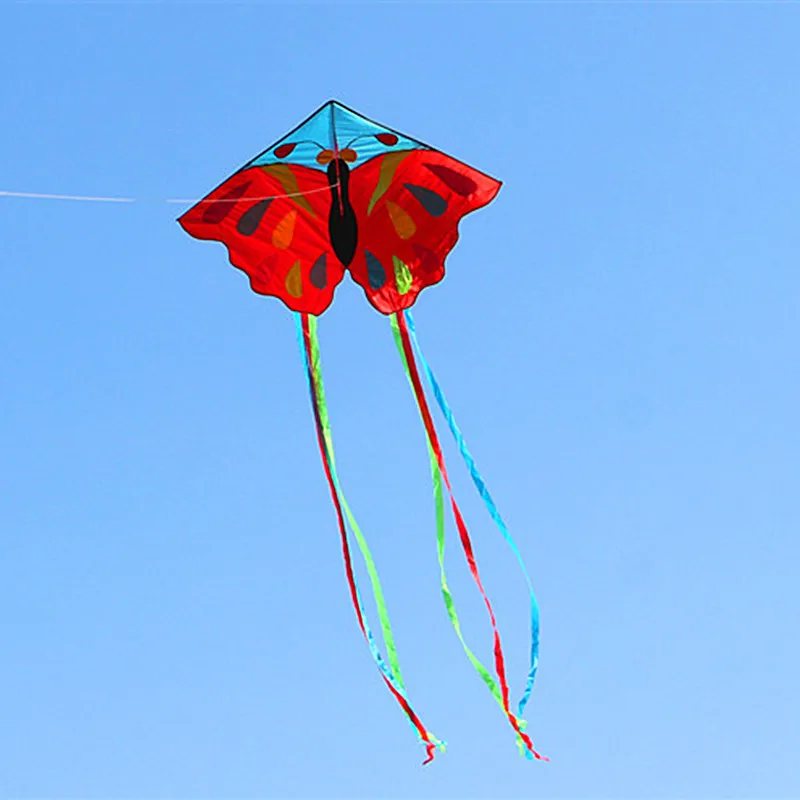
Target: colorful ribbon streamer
309	347
483	491
406	350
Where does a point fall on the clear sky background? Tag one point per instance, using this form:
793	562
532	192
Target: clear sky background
618	335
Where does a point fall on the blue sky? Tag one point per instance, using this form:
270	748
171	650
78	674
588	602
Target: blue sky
618	335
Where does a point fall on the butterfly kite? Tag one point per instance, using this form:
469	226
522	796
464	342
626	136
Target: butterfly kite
341	192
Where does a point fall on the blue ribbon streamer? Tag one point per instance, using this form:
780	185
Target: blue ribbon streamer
483	491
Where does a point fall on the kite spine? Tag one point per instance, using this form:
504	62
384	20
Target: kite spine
309	348
488	501
406	351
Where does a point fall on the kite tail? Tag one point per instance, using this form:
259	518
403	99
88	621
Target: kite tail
488	501
440	476
309	347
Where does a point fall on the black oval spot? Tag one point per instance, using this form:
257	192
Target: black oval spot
249	221
319	274
433	203
376	274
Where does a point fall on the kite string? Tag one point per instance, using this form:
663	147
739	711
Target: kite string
178	201
483	491
399	324
306	329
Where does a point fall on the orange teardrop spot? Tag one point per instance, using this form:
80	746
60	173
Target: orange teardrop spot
401	220
284	231
294	281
